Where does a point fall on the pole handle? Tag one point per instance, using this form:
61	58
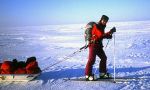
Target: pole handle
84	47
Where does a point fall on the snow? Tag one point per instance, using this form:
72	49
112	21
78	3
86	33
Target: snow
53	43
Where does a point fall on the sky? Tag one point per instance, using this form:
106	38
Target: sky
49	12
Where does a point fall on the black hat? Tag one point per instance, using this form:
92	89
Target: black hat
104	17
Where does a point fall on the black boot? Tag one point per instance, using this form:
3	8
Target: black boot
105	76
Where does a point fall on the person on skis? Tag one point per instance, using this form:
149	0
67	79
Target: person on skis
94	35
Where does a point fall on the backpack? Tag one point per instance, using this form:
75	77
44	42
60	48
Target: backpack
88	31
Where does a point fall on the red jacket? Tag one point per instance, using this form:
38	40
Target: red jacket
98	34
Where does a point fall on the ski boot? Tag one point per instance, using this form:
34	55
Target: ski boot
105	76
90	78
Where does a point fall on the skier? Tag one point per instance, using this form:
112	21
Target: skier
94	35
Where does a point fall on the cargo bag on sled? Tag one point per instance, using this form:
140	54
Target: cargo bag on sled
19	70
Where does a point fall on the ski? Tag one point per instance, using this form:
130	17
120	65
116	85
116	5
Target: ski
117	79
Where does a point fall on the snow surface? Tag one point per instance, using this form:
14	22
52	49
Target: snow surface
52	43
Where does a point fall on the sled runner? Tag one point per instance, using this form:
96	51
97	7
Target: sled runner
18	77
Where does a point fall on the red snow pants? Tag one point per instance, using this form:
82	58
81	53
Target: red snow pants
96	49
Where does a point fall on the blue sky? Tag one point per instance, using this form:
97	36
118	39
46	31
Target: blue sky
46	12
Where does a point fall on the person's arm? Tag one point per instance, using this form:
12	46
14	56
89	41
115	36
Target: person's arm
108	35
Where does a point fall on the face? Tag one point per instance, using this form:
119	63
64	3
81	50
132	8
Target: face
104	22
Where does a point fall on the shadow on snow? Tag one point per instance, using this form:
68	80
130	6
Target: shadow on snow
70	73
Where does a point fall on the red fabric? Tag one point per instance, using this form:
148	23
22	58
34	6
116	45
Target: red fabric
33	71
31	65
96	34
95	49
32	68
6	67
20	71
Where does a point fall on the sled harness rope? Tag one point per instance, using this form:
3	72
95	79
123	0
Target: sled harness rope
67	57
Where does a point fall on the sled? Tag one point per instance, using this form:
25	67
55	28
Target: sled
18	77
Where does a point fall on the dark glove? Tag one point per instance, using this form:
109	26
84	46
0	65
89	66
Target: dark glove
109	36
112	30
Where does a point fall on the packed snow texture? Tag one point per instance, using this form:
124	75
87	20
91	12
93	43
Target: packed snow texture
54	43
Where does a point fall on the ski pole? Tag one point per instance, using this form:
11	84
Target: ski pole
107	43
114	61
84	47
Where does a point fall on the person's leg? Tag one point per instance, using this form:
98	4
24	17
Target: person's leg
91	60
103	62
